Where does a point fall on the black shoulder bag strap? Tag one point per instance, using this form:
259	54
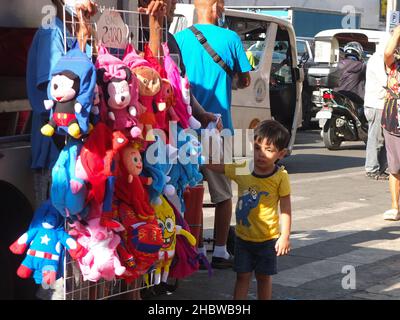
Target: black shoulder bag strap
215	56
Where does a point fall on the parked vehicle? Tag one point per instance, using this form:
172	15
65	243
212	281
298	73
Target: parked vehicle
306	22
340	118
276	78
305	50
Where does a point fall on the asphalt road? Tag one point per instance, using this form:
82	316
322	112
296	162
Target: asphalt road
341	246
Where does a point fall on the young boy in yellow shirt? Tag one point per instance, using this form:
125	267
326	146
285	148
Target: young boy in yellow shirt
261	234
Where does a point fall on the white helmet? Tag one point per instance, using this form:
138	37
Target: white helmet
354	49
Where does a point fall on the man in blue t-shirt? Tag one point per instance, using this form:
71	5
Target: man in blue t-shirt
46	49
212	87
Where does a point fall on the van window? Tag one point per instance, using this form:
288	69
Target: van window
281	71
301	48
253	34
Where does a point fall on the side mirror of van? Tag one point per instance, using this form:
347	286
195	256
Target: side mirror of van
303	60
298	74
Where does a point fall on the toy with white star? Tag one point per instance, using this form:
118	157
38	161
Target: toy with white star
45	244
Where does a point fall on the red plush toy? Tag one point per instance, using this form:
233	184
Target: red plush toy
142	241
96	157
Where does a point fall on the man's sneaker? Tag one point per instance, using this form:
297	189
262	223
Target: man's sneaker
222	263
382	176
391	214
377	175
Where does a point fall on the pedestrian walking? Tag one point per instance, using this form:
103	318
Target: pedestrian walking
391	125
374	100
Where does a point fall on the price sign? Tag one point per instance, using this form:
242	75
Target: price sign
112	32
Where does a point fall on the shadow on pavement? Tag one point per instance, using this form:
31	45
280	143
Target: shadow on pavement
308	163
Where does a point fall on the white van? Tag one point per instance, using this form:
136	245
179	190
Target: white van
276	79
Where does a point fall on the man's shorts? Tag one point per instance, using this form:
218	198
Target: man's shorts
218	184
255	256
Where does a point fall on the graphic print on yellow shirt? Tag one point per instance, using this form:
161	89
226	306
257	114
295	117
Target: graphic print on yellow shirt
257	216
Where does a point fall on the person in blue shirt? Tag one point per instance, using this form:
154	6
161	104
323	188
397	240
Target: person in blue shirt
212	87
46	49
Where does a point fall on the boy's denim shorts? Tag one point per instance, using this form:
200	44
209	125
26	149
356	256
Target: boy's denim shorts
255	256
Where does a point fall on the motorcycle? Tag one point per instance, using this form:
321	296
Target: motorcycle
340	119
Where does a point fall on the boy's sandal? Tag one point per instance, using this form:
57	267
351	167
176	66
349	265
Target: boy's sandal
391	214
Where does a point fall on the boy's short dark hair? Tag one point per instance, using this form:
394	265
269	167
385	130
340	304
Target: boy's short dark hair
274	132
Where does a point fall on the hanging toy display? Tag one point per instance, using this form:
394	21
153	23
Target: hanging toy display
106	190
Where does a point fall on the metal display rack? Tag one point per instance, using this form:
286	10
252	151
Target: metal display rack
137	35
75	288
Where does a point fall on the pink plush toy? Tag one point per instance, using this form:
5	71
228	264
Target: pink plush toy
120	91
101	260
181	88
149	86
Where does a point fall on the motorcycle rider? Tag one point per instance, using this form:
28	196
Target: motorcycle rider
352	71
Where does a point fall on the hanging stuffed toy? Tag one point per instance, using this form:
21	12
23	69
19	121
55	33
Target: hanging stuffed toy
185	172
101	260
181	88
70	92
68	192
149	87
94	164
186	259
166	98
120	91
166	221
157	164
45	241
94	117
142	241
130	186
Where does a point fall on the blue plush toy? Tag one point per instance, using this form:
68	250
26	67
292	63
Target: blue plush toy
65	196
158	169
70	92
46	239
185	172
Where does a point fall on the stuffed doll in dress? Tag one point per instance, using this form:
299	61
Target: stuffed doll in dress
70	92
130	186
44	242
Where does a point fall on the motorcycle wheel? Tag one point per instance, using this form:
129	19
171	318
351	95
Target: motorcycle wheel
331	141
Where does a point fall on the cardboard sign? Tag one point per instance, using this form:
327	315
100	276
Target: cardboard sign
112	32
